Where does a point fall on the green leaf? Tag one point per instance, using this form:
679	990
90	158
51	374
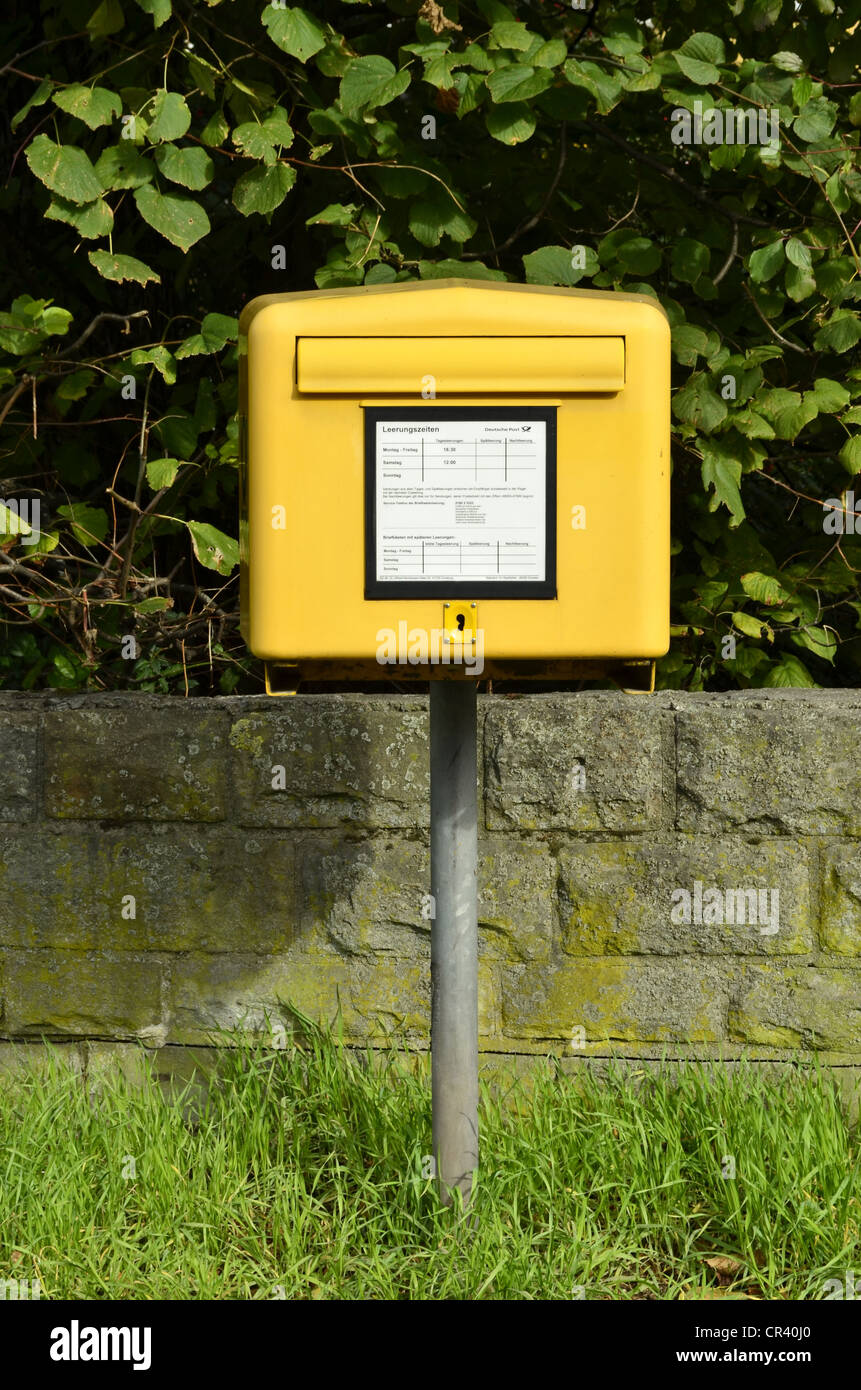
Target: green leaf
511	124
850	454
75	386
701	73
723	475
836	192
213	548
122	166
645	81
698	405
606	87
114	267
840	333
558	265
159	357
787	62
38	98
751	627
188	165
705	47
335	215
690	260
798	253
802	91
462	270
689	342
89	524
517	82
819	640
816	120
178	432
371	82
64	169
215	332
92	220
216	130
95	106
766	262
161	472
764	588
107	19
512	35
263	190
751	425
431	217
258	139
789	672
179	220
788	411
153	605
294	31
159	9
170	117
380	274
800	284
640	255
549	55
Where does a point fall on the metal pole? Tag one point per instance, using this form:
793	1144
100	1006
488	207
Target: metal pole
454	934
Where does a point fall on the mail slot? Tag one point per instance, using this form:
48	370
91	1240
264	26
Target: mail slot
454	471
500	365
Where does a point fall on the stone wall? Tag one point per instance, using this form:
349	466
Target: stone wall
170	868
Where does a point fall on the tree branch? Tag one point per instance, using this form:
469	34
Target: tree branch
100	318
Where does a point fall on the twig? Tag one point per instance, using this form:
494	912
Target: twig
730	258
536	217
770	326
100	318
19	390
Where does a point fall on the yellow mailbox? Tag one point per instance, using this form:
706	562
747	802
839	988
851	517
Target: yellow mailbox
455	475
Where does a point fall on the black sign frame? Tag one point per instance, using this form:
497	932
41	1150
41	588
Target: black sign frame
522	589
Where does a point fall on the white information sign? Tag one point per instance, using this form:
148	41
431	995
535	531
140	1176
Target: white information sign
461	501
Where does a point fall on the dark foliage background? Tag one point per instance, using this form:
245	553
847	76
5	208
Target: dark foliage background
165	161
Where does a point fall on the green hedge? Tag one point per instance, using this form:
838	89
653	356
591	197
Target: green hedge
168	160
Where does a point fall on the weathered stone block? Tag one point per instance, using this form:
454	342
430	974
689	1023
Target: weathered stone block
516	901
136	761
375	896
347	760
36	1059
810	1008
625	898
19	766
633	1000
840	924
368	896
96	994
210	888
379	998
592	762
775	767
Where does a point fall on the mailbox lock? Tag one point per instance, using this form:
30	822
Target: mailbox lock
459	622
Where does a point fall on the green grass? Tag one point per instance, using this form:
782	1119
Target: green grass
302	1169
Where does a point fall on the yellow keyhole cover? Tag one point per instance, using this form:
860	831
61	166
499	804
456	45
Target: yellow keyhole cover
459	621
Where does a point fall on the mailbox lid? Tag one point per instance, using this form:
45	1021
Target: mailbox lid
549	365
